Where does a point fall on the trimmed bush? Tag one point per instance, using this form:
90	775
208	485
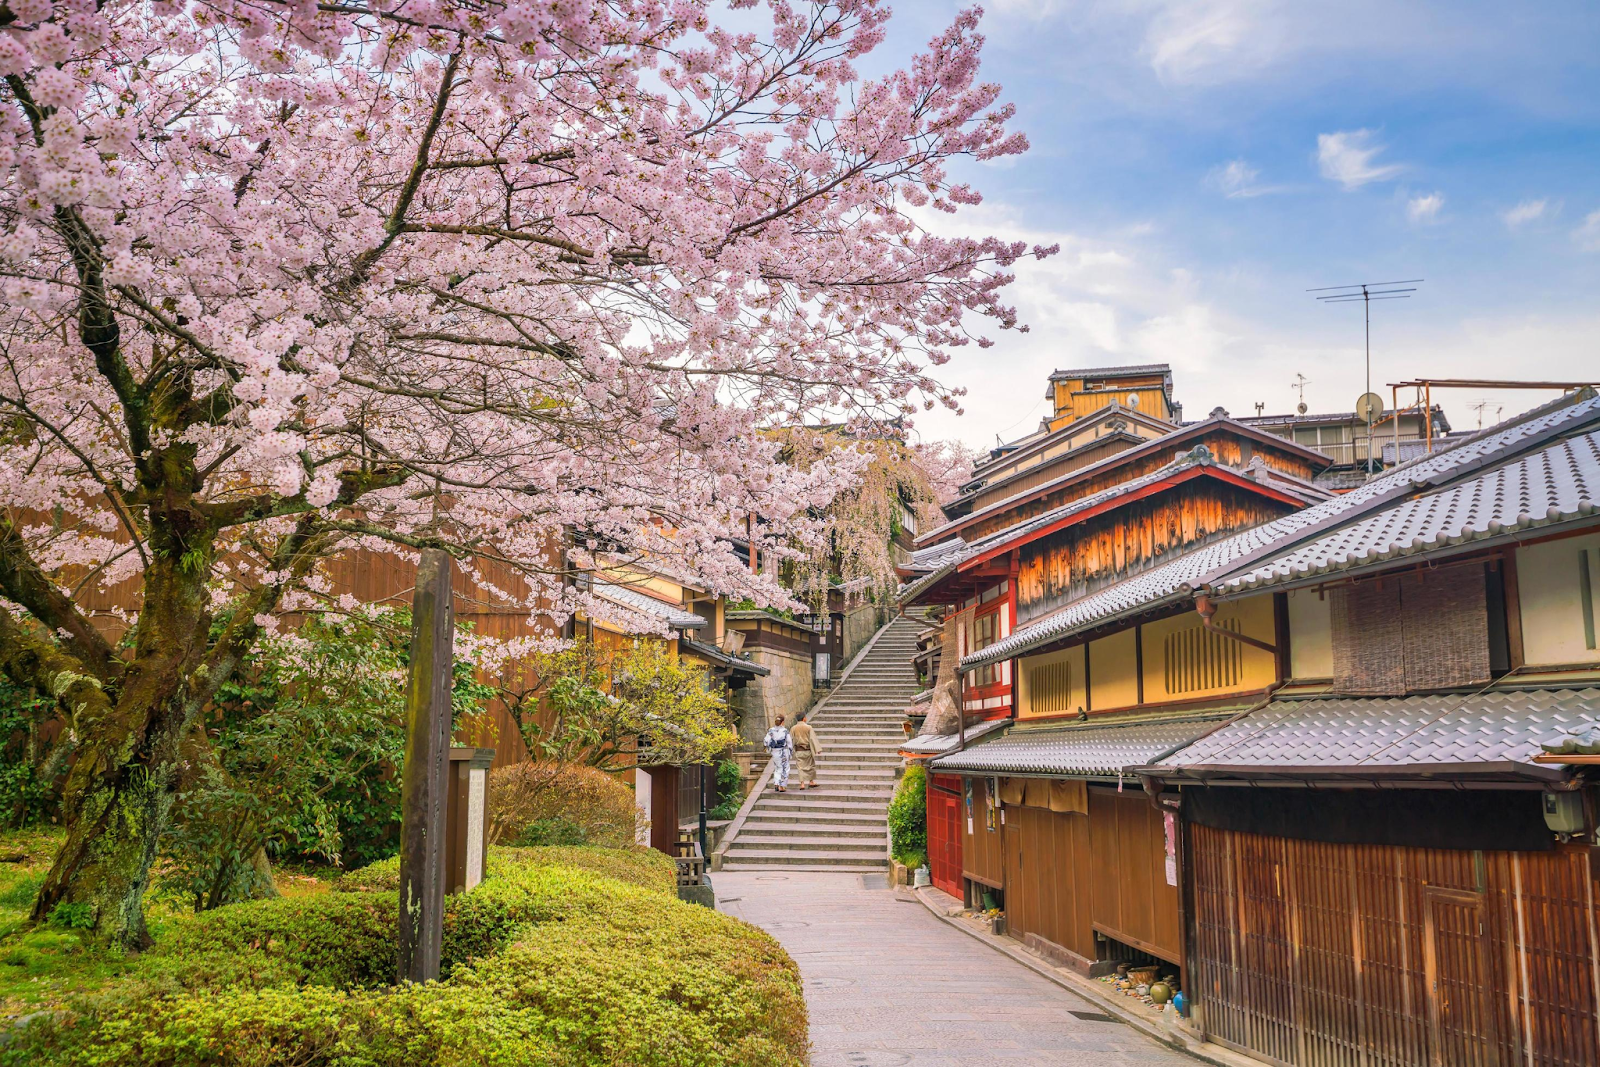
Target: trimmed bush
908	817
545	803
636	866
547	963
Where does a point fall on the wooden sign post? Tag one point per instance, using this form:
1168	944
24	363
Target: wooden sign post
424	779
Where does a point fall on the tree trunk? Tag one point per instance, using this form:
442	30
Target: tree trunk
120	791
119	809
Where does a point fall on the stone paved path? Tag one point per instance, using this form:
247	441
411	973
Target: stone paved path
888	983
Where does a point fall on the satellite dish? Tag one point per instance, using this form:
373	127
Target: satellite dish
1133	400
1370	407
1301	407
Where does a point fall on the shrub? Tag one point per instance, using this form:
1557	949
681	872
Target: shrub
729	788
546	803
549	964
636	866
908	817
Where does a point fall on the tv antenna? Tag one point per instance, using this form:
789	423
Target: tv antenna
1484	405
1300	382
1367	292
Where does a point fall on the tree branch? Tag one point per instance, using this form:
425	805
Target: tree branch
22	581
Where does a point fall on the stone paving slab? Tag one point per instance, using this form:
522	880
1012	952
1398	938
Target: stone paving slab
889	983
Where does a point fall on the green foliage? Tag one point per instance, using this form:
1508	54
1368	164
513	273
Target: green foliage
545	803
613	708
729	781
33	756
908	817
636	866
306	747
549	961
72	916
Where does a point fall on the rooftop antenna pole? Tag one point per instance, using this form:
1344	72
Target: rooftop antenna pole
1367	292
1300	382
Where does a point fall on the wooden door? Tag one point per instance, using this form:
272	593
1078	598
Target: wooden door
1461	1017
944	839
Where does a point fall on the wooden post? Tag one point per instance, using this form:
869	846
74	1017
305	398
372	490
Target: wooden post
423	781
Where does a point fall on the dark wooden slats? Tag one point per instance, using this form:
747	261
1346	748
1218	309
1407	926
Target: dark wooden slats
1327	955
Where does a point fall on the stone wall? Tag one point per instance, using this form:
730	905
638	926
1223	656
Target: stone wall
786	691
860	623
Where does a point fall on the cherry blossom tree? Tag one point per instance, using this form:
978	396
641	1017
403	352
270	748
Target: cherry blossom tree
285	279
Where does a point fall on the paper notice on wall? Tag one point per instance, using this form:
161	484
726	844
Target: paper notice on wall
1169	821
969	824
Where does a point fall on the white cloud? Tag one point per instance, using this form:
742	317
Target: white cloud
1588	235
1200	39
1347	157
1236	180
1421	209
1527	211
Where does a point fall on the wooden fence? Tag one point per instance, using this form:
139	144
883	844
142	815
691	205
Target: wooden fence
1328	955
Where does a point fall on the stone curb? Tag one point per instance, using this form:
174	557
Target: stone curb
1204	1051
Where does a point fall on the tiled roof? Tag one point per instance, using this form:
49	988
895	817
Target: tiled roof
1179	577
1581	740
762	615
925	746
925	559
1155	444
647	605
1086	750
1112	372
727	659
1557	483
958	556
1492	734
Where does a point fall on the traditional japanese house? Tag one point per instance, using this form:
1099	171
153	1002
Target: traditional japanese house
1364	830
1077	529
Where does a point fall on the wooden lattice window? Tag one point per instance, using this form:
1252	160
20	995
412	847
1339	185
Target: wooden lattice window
1050	687
985	633
1197	659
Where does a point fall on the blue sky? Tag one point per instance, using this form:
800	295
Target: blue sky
1205	162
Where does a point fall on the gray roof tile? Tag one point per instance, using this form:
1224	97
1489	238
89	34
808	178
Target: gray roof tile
647	605
1080	750
1494	733
1557	483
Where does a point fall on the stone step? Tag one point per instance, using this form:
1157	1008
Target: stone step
832	868
780	857
760	818
821	836
782	804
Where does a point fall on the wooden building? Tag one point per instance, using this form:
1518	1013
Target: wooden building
1356	738
1107	494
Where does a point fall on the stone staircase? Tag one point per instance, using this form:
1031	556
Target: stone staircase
841	825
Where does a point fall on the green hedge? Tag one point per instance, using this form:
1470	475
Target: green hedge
546	963
908	817
639	866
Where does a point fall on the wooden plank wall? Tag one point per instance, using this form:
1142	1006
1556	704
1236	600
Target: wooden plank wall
1049	873
982	853
1132	900
1225	445
1332	955
1080	559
